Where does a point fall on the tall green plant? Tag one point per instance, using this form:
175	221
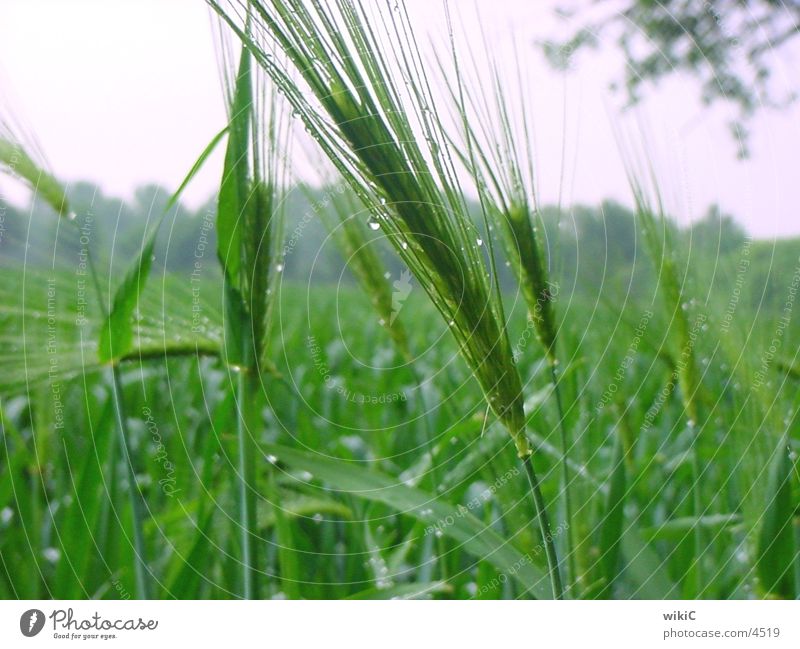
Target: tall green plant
249	247
361	90
501	163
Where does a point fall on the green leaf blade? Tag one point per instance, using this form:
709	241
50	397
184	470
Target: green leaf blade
776	553
481	542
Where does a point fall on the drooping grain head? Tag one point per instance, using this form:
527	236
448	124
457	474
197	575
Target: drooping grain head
387	141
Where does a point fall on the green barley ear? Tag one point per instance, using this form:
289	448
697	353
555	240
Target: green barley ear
250	225
265	218
360	88
501	163
351	235
659	245
499	156
346	107
527	258
250	215
371	134
657	234
263	254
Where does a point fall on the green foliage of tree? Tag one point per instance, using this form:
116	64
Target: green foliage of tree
728	45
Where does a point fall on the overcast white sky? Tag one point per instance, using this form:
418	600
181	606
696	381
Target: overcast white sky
126	92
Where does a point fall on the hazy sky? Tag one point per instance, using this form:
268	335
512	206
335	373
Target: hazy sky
127	92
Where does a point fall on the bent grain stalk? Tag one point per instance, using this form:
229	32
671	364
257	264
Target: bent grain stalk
503	172
360	87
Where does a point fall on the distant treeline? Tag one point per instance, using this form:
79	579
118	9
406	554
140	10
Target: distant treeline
593	251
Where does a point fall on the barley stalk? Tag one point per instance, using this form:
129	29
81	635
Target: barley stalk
503	172
250	224
657	238
363	95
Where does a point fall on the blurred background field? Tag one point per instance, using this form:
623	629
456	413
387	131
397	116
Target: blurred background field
351	427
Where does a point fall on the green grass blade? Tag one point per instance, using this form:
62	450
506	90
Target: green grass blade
196	167
290	574
776	552
20	488
234	189
677	528
611	526
480	541
117	333
187	582
644	571
78	527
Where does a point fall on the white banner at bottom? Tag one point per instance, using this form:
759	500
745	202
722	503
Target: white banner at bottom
388	624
